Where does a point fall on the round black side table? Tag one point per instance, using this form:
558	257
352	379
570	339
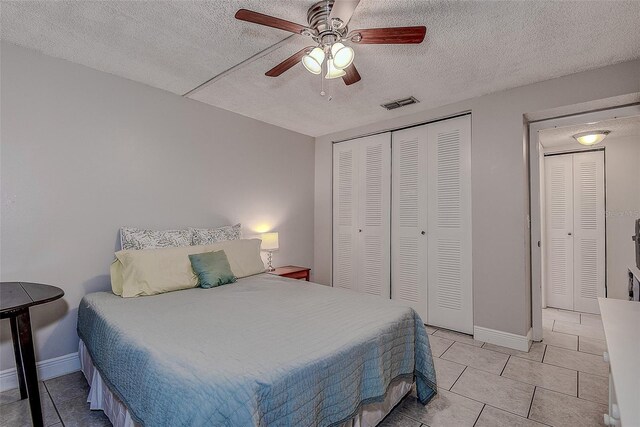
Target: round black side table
15	300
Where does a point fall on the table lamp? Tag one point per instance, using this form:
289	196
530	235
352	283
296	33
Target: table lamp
269	244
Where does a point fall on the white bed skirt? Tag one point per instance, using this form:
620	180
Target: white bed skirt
101	398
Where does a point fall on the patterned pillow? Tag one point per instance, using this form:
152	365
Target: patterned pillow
138	238
207	236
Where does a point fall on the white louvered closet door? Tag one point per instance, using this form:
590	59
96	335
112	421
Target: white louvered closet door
345	200
559	225
450	297
589	230
374	193
409	219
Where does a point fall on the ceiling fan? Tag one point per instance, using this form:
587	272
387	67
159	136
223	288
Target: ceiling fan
328	27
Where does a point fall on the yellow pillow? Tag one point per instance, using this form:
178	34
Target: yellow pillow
155	271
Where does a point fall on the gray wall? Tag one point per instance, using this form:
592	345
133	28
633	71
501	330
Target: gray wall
501	278
85	152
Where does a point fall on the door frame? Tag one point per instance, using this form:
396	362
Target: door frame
535	158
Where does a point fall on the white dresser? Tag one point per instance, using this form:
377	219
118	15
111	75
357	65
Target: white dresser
621	320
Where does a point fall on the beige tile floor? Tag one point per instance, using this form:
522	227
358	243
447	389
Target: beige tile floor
559	382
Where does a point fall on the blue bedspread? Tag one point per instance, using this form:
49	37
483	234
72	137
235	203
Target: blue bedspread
262	351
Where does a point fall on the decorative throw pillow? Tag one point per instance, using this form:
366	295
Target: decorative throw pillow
207	236
138	238
212	269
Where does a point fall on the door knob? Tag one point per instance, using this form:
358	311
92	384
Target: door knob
569	233
423	232
359	230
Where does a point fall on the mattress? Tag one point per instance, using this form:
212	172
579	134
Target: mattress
263	351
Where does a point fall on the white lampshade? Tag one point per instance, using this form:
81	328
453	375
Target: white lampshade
342	55
333	72
312	61
592	137
269	241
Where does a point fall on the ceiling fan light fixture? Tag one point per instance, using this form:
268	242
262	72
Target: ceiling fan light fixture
332	71
591	137
312	61
342	55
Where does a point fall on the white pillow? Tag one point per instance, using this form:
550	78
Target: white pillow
207	236
155	271
138	238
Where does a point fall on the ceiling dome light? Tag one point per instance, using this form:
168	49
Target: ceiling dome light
312	61
332	71
592	137
342	55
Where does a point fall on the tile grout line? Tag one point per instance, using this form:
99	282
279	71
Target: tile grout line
486	404
53	403
459	376
533	395
479	413
447	349
505	365
577	370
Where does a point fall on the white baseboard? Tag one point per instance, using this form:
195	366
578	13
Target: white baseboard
47	369
504	339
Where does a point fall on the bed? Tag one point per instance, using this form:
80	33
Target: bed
262	351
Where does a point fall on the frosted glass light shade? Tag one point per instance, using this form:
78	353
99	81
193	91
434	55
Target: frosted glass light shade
332	71
342	55
312	61
269	241
592	137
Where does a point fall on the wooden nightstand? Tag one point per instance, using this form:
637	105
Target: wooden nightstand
292	272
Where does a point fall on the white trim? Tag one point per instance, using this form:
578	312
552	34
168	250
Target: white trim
503	339
47	369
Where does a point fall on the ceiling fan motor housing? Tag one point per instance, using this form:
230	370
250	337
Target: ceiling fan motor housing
326	31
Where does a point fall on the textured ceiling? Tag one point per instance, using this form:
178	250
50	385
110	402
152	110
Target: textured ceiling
557	137
471	49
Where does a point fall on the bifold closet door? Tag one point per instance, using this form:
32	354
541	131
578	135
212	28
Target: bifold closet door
361	212
588	230
559	224
450	294
575	230
409	219
431	222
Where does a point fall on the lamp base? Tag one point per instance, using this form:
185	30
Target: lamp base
269	259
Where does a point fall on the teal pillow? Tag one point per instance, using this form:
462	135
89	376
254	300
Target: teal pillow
212	269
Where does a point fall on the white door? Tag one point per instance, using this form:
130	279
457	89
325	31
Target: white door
374	225
575	230
361	214
588	230
559	225
344	215
450	295
409	219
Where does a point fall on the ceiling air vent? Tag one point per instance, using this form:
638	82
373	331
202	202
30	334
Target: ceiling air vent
400	103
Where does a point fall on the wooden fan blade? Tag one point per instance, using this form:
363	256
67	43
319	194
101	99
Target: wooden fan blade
352	76
269	21
394	35
343	10
287	63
